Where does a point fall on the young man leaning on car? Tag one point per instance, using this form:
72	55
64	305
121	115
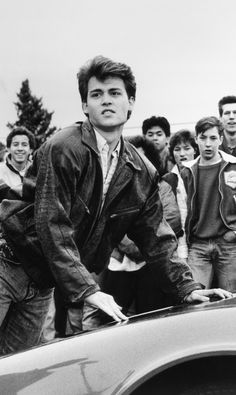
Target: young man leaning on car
85	190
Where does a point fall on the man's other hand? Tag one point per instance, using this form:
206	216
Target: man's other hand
106	303
204	295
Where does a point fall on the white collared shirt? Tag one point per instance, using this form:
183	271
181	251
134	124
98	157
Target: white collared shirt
108	164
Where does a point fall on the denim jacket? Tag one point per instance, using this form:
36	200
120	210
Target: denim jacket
60	230
227	190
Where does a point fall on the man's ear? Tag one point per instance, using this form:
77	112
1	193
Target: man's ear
131	103
85	108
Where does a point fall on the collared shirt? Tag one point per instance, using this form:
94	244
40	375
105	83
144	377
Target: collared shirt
108	164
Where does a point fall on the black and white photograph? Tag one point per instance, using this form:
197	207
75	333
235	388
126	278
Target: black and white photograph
117	197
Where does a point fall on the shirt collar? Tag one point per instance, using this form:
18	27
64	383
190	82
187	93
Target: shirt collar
13	168
101	142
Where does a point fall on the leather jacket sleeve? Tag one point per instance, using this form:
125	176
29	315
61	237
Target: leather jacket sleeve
171	214
55	189
157	243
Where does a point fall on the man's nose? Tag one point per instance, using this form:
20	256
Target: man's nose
232	115
106	98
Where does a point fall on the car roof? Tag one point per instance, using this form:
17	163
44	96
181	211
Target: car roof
214	303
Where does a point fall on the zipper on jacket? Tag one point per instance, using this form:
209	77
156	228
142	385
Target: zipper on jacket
123	212
85	206
191	205
221	195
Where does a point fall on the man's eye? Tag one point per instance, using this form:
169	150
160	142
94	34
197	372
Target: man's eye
116	93
95	94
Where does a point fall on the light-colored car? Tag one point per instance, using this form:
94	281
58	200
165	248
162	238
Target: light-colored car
187	350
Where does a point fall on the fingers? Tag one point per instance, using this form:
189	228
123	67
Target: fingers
197	296
113	309
106	303
222	293
204	295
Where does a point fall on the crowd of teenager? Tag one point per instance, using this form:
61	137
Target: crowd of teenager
97	227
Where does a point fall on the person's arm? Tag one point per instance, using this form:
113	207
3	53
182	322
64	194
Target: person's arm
55	190
170	208
127	247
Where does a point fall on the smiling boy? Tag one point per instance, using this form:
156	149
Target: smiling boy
20	145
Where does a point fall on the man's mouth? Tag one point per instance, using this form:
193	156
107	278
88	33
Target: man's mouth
108	111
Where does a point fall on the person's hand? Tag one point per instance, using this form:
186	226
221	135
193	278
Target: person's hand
229	236
203	295
106	303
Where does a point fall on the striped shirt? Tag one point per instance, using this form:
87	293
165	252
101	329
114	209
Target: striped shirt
109	162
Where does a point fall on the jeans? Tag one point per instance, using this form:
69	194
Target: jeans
49	332
23	309
213	259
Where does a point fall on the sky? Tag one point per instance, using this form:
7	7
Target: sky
182	53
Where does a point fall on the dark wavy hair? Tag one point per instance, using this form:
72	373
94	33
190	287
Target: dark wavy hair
156	121
22	131
225	100
182	136
102	68
207	123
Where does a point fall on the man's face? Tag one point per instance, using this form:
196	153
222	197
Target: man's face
107	103
208	143
20	149
228	118
157	135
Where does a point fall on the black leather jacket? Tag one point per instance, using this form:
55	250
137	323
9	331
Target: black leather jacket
65	234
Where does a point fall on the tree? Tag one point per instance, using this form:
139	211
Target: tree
32	115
